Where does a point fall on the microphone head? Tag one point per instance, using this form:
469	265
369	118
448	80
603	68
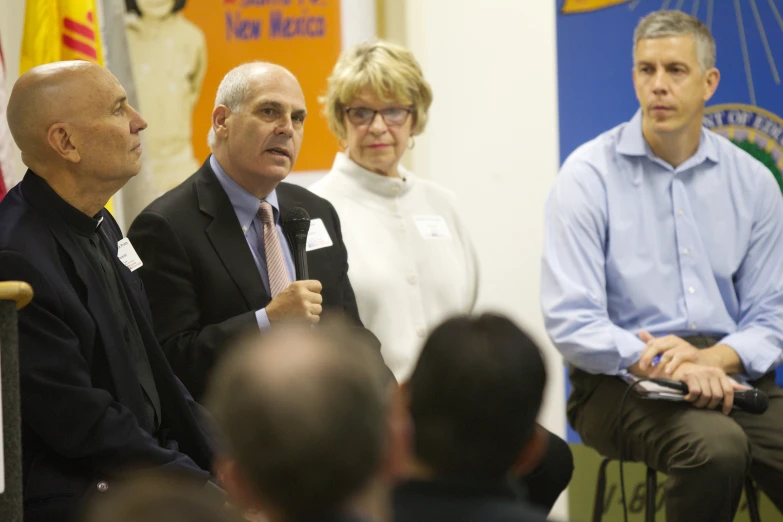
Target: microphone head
752	401
296	221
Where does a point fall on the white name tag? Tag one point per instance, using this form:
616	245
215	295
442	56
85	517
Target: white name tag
128	255
318	236
432	227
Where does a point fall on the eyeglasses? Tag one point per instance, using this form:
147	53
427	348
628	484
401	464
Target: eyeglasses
391	116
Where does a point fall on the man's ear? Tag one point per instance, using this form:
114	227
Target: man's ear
711	81
61	139
532	452
219	117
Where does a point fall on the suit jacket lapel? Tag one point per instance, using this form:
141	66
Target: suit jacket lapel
127	388
227	238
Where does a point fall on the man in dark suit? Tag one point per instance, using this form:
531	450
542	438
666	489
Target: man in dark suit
216	260
474	397
98	397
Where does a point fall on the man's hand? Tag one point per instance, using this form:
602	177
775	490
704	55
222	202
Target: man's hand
301	300
707	386
673	351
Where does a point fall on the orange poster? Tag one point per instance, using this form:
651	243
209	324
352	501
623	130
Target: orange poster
302	35
179	52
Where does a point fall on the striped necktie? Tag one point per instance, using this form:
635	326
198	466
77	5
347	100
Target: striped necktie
275	264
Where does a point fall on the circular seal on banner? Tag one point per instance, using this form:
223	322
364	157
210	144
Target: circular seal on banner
754	130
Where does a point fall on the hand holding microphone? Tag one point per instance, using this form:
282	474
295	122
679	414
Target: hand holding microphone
750	400
302	299
710	387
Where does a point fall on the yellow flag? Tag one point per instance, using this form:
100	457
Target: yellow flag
56	30
581	6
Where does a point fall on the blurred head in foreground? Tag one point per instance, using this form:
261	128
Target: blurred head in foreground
310	419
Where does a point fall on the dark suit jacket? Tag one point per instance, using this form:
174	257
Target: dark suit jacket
80	396
202	283
444	500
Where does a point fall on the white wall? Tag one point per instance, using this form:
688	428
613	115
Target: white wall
492	137
11	25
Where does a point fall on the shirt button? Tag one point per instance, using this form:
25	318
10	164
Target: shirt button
421	331
693	326
691	290
102	486
412	279
685	251
680	212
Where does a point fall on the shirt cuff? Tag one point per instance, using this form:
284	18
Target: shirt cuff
629	347
262	319
757	354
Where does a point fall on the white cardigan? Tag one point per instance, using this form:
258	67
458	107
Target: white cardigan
411	263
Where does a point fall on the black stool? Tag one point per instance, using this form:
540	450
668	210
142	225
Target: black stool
652	487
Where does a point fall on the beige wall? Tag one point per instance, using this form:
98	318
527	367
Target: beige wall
11	20
492	137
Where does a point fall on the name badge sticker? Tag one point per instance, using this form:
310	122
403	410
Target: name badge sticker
432	227
318	236
128	255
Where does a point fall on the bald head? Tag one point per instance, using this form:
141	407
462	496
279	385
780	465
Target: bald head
73	124
236	86
303	412
48	94
243	81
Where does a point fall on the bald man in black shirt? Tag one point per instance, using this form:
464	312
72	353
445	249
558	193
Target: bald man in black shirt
98	398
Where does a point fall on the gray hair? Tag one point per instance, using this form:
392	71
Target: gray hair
233	91
676	23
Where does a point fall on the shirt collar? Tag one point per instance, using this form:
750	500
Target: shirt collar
632	142
245	204
76	220
376	183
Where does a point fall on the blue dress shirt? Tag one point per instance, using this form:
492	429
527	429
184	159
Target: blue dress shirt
246	208
633	243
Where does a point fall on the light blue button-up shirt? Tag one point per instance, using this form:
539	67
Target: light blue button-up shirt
633	243
246	208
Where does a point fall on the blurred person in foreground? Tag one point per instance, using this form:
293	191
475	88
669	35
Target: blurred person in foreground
98	397
314	428
412	263
665	239
217	261
474	397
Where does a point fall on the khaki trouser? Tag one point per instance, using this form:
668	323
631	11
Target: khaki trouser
705	454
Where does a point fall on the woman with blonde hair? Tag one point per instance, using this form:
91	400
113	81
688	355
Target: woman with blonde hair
412	264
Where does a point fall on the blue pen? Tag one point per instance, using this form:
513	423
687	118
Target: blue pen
656	359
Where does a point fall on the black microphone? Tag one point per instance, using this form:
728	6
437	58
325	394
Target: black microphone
752	401
296	223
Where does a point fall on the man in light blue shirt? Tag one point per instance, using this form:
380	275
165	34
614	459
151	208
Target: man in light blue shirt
664	257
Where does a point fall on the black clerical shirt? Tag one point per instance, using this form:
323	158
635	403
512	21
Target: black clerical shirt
101	255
